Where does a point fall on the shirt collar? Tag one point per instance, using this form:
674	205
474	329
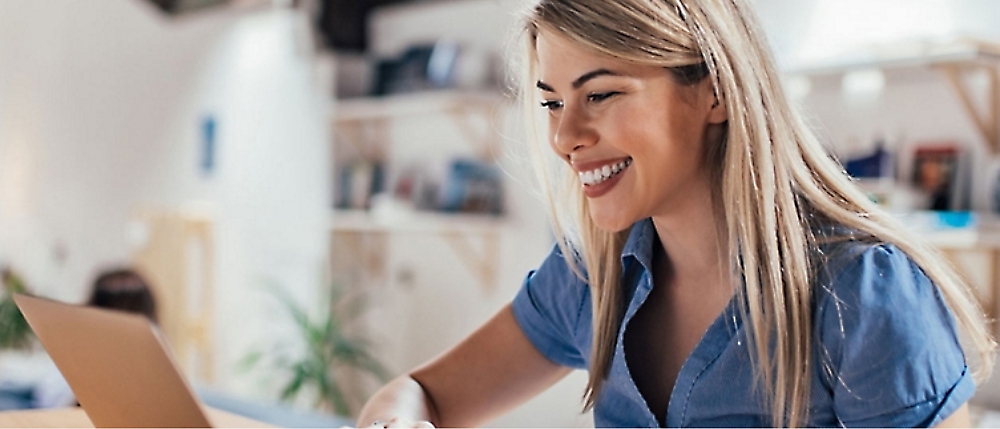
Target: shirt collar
640	243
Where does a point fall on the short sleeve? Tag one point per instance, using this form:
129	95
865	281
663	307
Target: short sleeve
893	351
548	308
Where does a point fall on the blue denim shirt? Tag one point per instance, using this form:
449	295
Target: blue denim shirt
886	350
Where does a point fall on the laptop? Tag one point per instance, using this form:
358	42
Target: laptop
116	363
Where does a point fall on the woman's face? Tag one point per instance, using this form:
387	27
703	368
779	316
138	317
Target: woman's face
633	135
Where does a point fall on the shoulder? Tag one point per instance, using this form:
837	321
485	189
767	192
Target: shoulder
869	286
552	310
559	273
870	274
886	338
559	279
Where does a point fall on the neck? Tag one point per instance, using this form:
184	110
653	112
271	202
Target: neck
692	243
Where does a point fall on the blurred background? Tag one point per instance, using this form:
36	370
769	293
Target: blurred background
322	194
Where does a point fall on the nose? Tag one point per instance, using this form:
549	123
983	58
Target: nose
571	131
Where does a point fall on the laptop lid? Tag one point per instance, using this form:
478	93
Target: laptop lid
116	363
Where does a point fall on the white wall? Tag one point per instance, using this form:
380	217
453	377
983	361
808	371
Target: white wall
814	29
100	109
272	185
82	135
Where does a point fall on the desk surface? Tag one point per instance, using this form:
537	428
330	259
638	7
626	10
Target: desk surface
77	418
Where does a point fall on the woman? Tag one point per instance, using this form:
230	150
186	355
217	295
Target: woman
715	267
125	290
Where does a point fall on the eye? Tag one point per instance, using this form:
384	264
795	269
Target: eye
601	96
552	105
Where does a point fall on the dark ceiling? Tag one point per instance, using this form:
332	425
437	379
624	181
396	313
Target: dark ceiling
343	23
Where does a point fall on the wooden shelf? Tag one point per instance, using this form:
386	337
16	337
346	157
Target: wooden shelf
458	230
978	234
962	238
954	59
963	53
423	103
415	222
981	231
364	122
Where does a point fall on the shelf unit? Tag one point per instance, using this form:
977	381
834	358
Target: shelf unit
352	117
397	106
979	236
975	241
455	229
955	60
364	124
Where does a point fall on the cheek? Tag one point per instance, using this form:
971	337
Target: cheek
646	135
668	150
683	137
630	129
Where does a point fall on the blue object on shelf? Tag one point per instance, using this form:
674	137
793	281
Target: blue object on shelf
473	187
963	219
871	166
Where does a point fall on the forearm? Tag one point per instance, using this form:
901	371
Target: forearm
401	398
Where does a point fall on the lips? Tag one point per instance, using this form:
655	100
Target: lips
599	179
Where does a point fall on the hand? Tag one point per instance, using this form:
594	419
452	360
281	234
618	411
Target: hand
400	422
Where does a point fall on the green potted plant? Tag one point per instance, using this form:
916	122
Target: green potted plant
14	330
330	348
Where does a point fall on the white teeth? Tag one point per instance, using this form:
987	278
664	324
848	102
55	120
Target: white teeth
604	173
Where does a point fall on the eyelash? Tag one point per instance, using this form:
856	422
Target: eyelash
601	96
553	105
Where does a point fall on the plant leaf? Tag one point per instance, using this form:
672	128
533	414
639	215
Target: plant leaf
294	386
250	361
327	348
14	329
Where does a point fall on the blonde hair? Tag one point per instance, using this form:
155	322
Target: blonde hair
776	181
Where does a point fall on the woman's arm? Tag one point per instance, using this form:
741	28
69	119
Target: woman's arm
958	419
493	370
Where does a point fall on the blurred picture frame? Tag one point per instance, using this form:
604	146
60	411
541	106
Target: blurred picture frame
940	171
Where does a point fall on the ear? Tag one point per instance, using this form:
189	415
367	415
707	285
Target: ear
717	113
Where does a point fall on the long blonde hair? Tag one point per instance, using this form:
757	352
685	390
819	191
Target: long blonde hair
776	178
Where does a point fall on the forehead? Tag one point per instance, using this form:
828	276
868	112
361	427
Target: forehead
561	60
558	53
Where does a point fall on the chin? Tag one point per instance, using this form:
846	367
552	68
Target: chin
609	219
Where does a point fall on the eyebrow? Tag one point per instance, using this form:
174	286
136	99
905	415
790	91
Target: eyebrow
586	77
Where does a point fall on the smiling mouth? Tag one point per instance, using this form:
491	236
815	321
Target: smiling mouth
599	175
